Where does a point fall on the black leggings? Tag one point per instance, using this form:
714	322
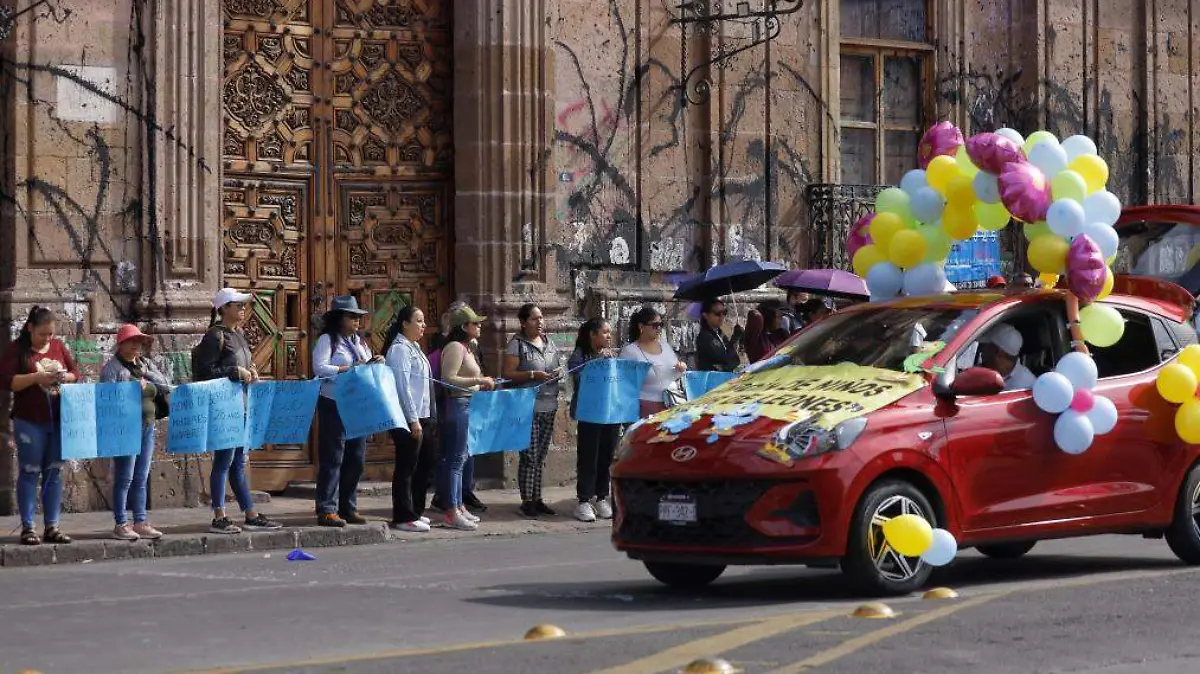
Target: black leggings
594	455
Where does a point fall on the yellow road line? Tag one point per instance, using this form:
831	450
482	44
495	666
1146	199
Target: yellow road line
681	655
858	643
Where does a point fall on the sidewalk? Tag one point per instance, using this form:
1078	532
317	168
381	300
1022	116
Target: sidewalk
186	529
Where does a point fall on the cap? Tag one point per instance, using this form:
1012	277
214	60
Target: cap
997	282
228	296
464	316
130	331
1006	337
347	304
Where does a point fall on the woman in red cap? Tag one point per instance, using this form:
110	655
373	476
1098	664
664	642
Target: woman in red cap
131	474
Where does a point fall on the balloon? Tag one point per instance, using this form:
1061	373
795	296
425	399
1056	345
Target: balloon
1065	218
1176	383
1103	415
1053	393
990	152
1077	146
1083	401
927	205
1103	206
1086	271
1190	358
867	257
883	228
1187	422
1048	254
1109	278
987	188
1049	157
1102	325
937	243
1068	185
959	221
885	280
1013	135
913	181
909	535
893	200
1079	369
992	217
1025	192
1093	169
941	171
907	249
1038	138
1048	280
942	550
961	190
942	138
1105	237
1035	229
860	235
963	160
1073	433
925	279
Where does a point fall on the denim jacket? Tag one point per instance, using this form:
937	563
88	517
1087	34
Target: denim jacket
411	368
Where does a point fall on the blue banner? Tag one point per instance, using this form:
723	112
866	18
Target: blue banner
500	421
206	416
280	412
226	415
101	420
367	400
610	390
696	384
973	261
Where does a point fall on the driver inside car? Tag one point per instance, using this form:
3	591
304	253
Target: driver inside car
999	350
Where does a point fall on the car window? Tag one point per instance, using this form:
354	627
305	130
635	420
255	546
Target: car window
1043	337
1167	345
1165	250
1137	350
880	337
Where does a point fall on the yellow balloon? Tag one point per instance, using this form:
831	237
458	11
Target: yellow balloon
907	248
965	165
1108	284
910	535
941	171
991	217
961	190
1048	254
1093	170
959	221
1193	257
883	228
1101	325
1048	280
1176	383
1190	358
1187	422
866	257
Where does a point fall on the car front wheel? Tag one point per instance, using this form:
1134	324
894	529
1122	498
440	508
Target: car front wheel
870	562
684	576
1184	533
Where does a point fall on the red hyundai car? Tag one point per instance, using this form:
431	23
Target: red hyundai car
956	449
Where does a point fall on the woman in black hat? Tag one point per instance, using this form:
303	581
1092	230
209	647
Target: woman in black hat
339	461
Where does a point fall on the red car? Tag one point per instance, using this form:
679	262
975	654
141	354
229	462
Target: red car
954	448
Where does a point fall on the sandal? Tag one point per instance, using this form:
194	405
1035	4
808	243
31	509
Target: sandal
30	537
55	535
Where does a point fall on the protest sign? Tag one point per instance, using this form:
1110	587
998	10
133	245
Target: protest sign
500	421
367	400
609	391
696	384
101	420
280	412
206	416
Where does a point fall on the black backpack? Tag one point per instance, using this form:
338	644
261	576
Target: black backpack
196	374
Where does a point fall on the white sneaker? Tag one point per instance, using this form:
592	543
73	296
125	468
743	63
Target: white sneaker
457	521
417	527
604	509
462	510
125	532
424	520
584	512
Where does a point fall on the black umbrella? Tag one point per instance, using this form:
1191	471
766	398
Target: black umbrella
727	279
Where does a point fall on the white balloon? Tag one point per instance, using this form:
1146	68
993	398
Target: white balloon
927	205
1073	433
1102	206
1103	415
925	279
1105	236
913	181
1050	157
1078	146
987	188
943	549
1012	134
1053	393
1079	369
885	280
1066	218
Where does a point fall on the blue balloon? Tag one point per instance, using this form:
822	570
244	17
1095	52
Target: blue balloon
1052	392
943	549
1079	368
925	279
1073	433
927	205
1103	415
885	280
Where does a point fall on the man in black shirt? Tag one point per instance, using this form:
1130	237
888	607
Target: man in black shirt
714	351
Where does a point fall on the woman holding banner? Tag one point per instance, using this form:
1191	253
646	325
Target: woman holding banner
414	450
131	474
531	361
595	443
646	343
460	369
33	368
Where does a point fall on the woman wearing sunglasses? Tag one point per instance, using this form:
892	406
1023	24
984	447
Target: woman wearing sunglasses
714	351
646	343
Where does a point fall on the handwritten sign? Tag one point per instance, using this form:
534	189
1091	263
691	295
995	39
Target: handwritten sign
609	391
206	416
500	421
696	383
280	412
367	400
101	420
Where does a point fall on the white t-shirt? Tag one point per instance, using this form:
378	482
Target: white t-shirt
662	369
1019	378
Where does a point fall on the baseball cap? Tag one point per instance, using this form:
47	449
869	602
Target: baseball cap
1006	337
130	331
228	296
997	282
464	316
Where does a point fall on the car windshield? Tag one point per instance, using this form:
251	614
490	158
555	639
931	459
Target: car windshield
876	337
1165	250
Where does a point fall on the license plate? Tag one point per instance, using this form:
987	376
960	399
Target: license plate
677	510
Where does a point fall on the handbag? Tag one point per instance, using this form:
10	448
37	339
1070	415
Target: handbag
162	404
674	394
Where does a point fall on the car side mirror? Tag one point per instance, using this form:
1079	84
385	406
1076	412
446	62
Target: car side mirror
977	381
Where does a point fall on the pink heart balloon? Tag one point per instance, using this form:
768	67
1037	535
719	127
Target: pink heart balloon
1086	270
1025	191
941	139
991	152
860	235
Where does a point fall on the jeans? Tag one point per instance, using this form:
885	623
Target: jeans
230	464
468	478
411	473
339	462
454	453
39	459
594	454
131	475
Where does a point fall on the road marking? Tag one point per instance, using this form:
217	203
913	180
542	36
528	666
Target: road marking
681	655
858	643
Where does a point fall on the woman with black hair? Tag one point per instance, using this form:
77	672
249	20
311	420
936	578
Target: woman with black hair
531	361
646	343
34	368
414	450
595	443
765	330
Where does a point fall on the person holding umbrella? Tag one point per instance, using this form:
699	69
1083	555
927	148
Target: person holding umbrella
714	351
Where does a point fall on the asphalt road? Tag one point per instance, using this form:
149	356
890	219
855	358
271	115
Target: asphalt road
1111	605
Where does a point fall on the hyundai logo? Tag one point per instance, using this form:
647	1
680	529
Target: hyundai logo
685	453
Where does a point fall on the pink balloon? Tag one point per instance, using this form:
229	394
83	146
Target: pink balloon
1086	271
860	235
1025	191
991	152
941	139
1083	401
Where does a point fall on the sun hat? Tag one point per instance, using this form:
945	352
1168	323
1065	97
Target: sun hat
347	304
130	331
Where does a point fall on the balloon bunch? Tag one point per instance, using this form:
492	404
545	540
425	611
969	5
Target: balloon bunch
912	536
1067	392
1178	383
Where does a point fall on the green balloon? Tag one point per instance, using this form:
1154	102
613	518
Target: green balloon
992	217
895	200
1069	185
937	242
1038	137
1102	325
1035	229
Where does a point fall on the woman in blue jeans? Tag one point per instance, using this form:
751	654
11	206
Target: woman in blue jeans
460	369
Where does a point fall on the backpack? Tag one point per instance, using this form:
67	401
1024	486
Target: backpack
196	374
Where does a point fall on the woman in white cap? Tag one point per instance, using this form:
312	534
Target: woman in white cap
131	474
224	352
340	460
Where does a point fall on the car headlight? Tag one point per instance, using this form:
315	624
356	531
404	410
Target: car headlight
803	440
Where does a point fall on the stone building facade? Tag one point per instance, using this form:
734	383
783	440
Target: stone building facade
578	153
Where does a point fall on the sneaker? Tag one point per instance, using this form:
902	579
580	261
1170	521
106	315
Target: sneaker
353	518
144	530
457	521
604	509
468	515
125	532
473	503
584	512
528	509
330	520
224	525
542	508
260	523
424	520
415	527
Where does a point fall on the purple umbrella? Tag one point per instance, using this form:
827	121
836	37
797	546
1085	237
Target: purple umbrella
831	282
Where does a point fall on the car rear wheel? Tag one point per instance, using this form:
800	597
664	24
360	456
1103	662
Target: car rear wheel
870	562
684	576
1005	550
1183	536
